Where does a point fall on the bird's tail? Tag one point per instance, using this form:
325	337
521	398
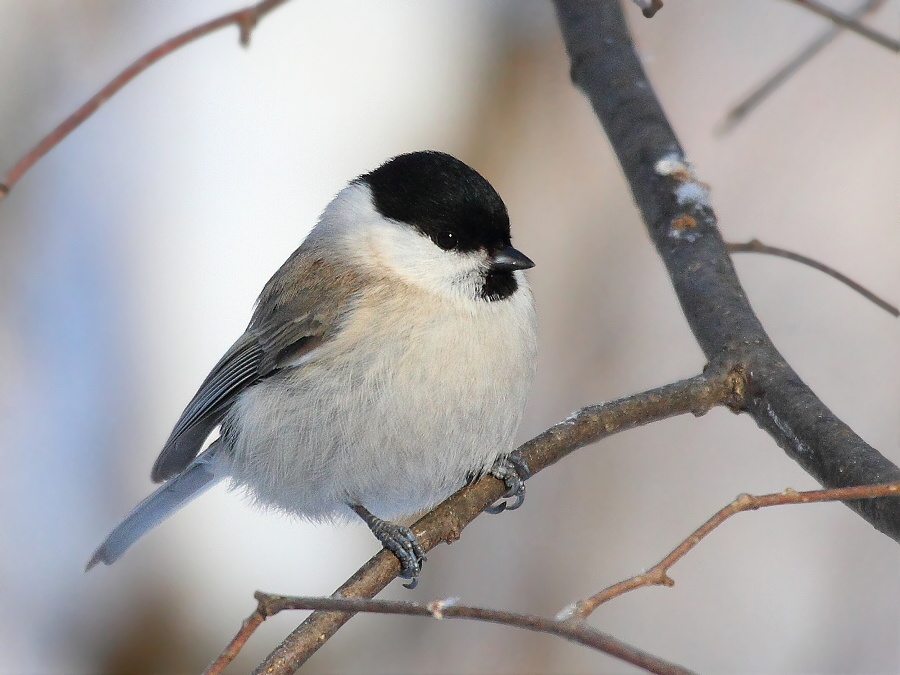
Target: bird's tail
198	477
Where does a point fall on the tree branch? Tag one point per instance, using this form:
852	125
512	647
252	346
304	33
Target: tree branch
658	574
245	19
762	91
849	23
569	623
580	633
756	246
676	210
446	521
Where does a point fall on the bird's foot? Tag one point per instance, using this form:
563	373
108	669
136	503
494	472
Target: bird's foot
513	471
400	541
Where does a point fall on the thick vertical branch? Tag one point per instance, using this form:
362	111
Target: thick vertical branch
681	222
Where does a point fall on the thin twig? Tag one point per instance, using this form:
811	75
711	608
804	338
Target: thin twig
756	246
446	521
580	633
850	23
658	574
752	100
233	648
245	19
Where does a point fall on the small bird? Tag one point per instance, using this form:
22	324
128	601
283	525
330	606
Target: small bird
386	363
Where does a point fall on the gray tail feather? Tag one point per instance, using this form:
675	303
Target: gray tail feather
198	477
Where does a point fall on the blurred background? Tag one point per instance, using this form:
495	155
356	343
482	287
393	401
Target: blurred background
131	255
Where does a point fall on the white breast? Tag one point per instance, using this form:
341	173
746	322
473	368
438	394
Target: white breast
391	414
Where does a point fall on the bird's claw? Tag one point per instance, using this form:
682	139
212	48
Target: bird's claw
513	471
400	541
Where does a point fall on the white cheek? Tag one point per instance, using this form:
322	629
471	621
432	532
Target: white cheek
414	258
401	250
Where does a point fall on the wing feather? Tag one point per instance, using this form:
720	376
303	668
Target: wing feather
286	325
238	369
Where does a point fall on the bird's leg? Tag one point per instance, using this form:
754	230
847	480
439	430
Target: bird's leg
513	471
399	540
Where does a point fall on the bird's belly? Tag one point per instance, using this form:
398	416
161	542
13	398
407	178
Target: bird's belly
396	428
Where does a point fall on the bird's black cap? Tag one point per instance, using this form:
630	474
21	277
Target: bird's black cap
442	197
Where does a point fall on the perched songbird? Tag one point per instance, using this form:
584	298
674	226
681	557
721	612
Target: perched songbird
387	362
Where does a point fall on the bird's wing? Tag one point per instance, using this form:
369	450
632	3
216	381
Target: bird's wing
285	327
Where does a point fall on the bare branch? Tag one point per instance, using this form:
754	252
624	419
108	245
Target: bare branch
762	91
569	625
658	574
679	216
233	648
850	23
756	246
446	521
245	19
580	633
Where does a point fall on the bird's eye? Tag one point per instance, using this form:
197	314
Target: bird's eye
446	240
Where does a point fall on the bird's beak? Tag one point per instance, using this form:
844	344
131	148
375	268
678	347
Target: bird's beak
510	259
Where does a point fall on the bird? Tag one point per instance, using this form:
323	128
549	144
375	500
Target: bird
387	363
